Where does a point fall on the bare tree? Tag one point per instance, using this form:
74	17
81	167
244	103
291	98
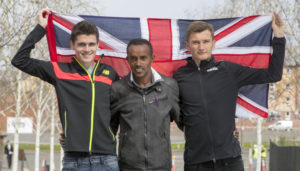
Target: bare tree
41	117
17	18
53	121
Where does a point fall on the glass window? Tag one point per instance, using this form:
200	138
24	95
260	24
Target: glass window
288	101
288	86
288	72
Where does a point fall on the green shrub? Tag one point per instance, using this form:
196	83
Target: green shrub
42	147
247	145
177	146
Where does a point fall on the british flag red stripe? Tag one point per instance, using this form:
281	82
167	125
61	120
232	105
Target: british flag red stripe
234	27
244	103
160	29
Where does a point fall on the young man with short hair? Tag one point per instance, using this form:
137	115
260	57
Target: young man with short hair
208	93
82	88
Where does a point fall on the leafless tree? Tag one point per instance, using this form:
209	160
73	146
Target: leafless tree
17	18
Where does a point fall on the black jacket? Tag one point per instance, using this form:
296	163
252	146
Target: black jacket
144	116
208	101
8	151
83	99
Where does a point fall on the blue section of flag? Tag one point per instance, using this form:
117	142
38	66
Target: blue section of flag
257	93
124	29
62	38
219	23
183	24
257	38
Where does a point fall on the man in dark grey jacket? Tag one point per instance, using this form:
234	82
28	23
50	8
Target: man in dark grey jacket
144	103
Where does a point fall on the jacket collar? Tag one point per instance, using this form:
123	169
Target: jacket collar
78	67
155	78
204	65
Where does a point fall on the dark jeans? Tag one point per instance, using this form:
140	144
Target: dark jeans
229	164
9	160
90	163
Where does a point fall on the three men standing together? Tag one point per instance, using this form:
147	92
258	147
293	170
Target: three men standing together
145	102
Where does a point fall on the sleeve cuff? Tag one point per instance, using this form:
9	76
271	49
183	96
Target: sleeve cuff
279	40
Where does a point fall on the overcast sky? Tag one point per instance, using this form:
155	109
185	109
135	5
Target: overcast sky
153	8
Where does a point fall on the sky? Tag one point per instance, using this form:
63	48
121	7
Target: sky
153	8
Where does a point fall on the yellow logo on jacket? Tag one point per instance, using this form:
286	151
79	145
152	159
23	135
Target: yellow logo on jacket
105	72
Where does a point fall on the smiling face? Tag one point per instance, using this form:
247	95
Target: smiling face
139	58
200	44
85	47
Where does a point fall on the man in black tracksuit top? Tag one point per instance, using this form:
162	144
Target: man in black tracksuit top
83	94
208	94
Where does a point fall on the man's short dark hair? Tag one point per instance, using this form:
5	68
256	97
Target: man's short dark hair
197	27
140	41
84	27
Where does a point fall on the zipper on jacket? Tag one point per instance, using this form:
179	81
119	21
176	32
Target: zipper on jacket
145	132
205	109
113	136
65	123
93	100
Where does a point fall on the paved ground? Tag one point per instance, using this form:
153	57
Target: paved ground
29	164
176	138
245	136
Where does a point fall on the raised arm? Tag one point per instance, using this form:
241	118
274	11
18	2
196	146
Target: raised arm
22	60
247	75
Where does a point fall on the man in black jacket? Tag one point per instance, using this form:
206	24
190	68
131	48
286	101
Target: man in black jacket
144	103
82	87
208	93
8	151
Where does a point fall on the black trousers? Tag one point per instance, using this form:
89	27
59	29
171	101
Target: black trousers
229	164
9	160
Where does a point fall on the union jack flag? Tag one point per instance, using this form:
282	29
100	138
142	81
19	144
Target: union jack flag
243	40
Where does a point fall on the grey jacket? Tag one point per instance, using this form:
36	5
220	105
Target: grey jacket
144	116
